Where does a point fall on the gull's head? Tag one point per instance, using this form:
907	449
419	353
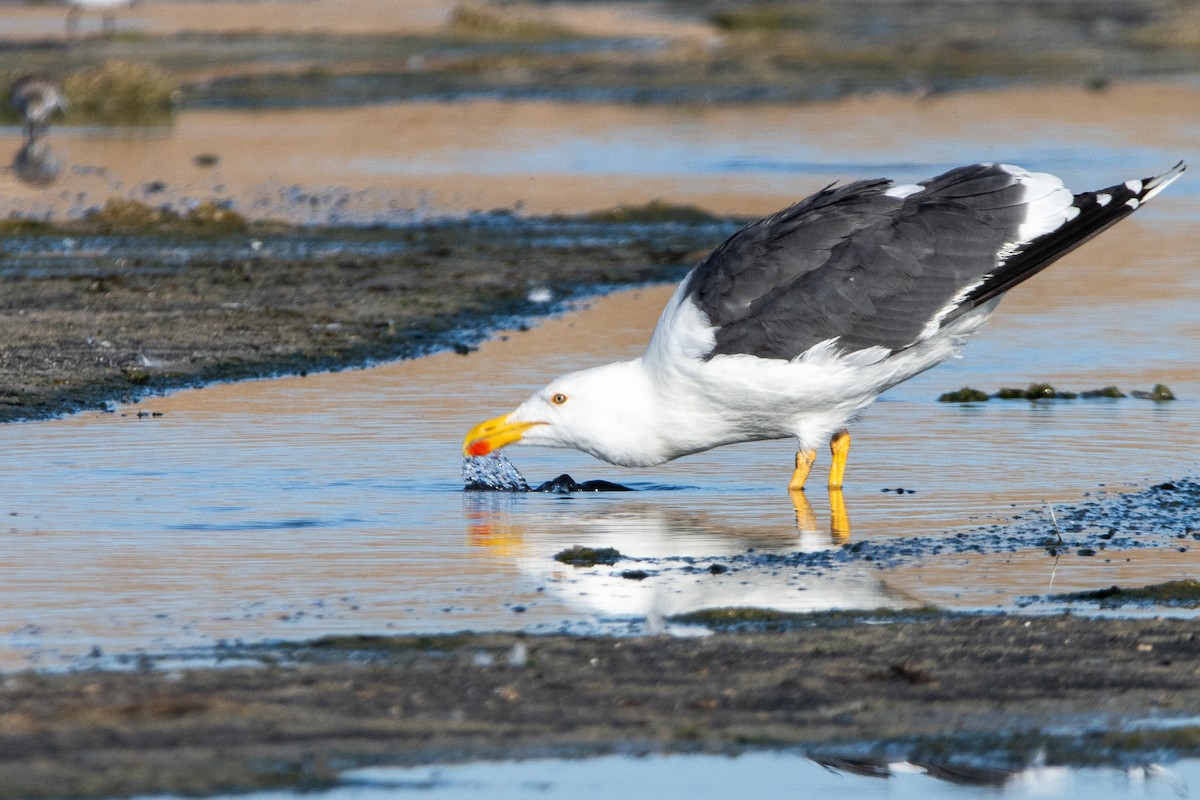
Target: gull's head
605	411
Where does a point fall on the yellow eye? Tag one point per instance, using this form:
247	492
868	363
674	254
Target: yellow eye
558	399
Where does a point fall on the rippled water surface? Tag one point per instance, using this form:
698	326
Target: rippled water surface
332	503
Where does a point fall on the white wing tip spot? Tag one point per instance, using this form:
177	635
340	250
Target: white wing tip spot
903	190
1133	202
1103	199
1134	186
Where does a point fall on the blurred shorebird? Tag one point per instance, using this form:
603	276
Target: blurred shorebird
36	163
37	97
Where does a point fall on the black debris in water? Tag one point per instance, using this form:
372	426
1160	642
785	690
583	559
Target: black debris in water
580	556
565	484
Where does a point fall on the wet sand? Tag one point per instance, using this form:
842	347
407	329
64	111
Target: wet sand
546	157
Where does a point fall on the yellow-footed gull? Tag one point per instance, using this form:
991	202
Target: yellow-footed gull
794	324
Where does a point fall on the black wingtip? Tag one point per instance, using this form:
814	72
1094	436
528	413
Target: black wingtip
1099	210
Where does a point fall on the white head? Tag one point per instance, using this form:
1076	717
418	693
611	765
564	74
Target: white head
606	411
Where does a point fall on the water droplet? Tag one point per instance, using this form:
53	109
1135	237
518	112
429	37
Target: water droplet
494	472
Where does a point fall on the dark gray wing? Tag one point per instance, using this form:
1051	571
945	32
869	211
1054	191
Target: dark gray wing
857	264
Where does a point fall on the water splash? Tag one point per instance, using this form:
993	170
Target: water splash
493	473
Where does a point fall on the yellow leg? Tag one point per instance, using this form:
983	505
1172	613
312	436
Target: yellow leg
839	520
839	445
804	462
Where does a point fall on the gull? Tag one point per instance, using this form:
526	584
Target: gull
797	322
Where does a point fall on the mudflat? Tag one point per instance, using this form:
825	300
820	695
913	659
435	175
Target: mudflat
959	692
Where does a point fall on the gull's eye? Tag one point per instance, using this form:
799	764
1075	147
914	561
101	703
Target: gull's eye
558	399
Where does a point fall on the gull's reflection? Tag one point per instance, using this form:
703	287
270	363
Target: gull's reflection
671	554
36	163
806	520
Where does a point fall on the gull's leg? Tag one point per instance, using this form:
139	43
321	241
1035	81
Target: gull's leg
839	445
804	462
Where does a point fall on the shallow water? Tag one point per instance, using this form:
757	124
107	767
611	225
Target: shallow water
759	775
391	163
332	503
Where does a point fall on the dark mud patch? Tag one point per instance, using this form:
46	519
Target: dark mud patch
1166	515
106	311
1006	687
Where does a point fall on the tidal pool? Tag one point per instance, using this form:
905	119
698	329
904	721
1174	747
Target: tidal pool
331	503
760	775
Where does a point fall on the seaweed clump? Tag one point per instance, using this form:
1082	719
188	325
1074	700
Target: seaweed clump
1045	391
580	556
507	20
1035	391
652	212
125	214
1107	391
120	93
1185	593
1159	393
964	395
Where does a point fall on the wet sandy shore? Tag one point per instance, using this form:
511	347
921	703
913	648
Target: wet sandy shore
958	692
423	159
94	328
